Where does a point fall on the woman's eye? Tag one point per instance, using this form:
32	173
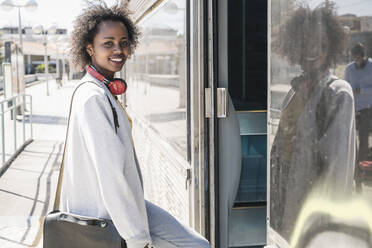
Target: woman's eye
107	44
124	44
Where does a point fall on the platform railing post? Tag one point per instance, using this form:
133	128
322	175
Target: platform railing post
32	135
14	100
3	133
23	117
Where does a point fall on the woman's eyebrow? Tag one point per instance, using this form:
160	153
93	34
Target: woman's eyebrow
113	38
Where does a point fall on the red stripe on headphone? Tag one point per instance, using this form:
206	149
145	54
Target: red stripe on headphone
95	73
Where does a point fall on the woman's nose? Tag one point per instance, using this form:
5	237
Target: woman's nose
117	48
313	50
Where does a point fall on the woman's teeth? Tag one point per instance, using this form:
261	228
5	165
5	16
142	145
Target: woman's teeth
117	60
312	58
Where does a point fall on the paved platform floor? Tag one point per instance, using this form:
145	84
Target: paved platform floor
27	191
27	188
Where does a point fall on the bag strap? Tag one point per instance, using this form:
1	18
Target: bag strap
116	124
320	108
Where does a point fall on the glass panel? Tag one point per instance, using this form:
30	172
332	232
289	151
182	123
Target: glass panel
247	61
252	187
247	86
321	80
156	74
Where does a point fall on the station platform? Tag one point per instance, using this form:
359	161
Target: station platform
27	191
28	186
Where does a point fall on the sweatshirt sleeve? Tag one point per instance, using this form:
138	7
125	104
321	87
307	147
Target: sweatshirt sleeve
337	144
118	184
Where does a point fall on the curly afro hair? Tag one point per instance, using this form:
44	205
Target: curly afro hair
86	27
303	23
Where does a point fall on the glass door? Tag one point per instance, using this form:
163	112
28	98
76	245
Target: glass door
242	71
320	123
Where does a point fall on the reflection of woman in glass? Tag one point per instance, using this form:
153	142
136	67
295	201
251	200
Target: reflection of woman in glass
314	144
102	177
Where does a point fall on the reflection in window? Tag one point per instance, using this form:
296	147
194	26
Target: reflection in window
314	96
156	74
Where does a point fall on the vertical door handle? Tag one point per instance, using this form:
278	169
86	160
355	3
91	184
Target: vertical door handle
221	102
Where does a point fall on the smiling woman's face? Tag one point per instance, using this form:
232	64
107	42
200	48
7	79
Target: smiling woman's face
315	50
110	48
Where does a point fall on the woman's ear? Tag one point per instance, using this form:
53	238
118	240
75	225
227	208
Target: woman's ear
89	49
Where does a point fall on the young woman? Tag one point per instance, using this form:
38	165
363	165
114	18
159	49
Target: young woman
102	177
314	148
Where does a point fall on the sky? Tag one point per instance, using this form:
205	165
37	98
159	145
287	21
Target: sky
63	12
358	7
49	12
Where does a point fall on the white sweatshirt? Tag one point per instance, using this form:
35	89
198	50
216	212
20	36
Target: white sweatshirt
101	177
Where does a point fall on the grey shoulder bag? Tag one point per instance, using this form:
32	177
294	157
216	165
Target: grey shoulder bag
65	230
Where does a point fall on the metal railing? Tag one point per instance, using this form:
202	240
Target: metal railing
16	106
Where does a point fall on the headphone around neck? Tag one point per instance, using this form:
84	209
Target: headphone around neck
117	86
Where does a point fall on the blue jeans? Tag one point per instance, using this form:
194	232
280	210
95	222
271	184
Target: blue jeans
167	232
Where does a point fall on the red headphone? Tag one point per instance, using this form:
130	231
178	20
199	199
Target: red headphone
117	86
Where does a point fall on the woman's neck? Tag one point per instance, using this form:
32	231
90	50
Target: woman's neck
317	75
107	74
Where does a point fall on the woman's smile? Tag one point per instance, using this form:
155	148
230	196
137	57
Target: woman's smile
117	60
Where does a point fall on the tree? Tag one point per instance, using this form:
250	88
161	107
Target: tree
41	68
1	53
